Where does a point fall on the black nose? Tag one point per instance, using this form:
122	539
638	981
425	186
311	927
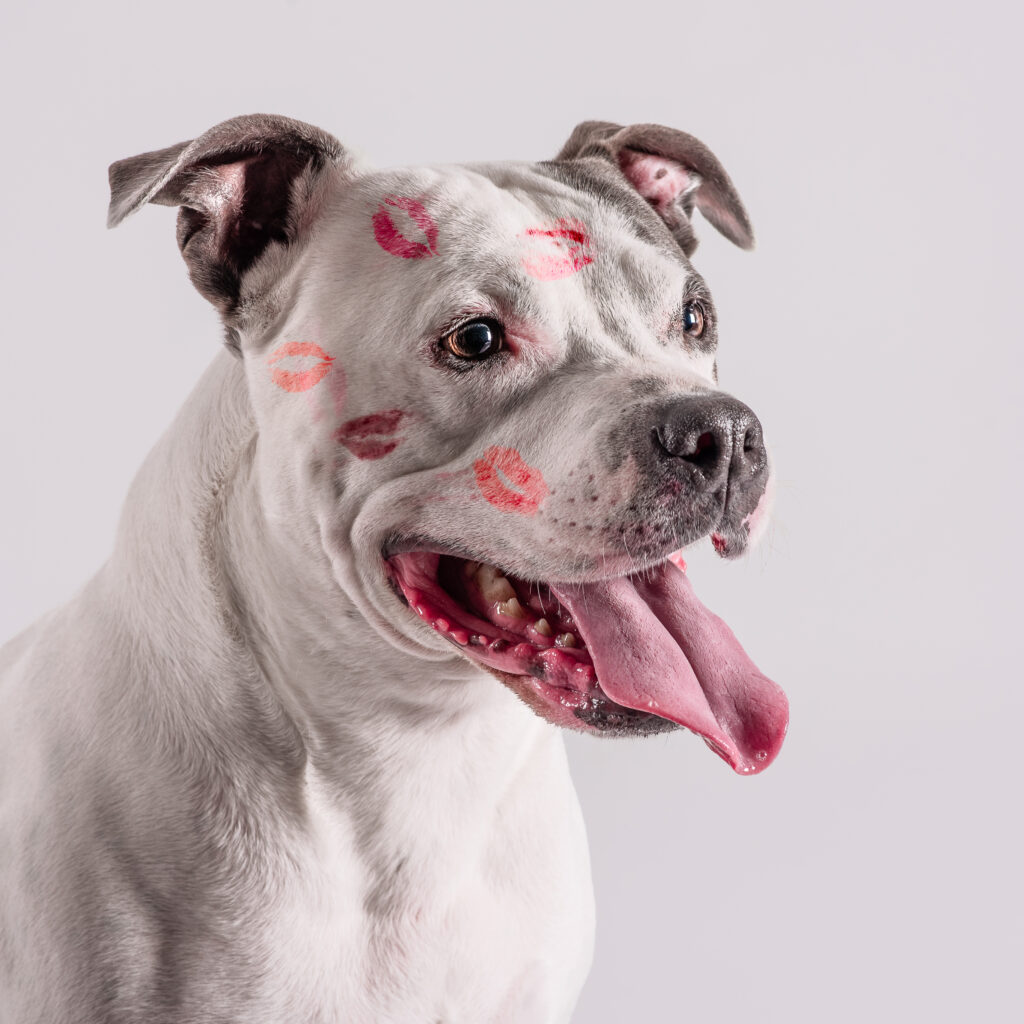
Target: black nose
715	439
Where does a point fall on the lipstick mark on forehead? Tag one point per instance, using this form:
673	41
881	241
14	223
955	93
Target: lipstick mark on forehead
556	251
391	240
507	462
308	361
373	436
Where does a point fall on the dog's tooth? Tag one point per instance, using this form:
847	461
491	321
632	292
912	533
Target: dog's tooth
565	640
493	585
512	608
543	627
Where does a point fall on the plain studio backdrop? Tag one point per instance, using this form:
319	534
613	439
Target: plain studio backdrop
873	873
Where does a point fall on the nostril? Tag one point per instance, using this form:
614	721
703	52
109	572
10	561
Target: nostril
701	450
702	453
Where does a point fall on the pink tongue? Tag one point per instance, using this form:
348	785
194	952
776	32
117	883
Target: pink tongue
656	648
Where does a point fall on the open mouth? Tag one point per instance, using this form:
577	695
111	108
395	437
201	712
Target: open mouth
633	654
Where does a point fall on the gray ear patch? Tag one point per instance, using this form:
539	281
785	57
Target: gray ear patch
672	171
241	187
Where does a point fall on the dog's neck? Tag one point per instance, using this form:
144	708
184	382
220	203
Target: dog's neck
264	665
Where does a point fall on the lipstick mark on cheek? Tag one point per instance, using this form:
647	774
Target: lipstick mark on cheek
391	240
557	251
371	437
302	376
529	481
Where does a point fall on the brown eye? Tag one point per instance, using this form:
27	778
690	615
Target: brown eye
476	339
693	319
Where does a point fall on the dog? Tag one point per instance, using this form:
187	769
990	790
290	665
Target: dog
289	756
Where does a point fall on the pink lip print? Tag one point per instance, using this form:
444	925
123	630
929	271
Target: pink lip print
532	489
371	437
557	251
299	380
389	238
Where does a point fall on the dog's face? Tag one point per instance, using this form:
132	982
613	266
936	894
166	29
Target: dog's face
487	396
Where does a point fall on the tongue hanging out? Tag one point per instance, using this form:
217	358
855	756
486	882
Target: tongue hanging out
642	642
656	648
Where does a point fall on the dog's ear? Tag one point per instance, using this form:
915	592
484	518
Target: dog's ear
672	171
244	186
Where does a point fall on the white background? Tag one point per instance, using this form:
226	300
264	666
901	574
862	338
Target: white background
873	873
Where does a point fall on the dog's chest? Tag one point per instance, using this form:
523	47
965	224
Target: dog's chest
438	916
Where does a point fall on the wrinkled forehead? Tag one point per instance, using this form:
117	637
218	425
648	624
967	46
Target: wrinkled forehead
529	236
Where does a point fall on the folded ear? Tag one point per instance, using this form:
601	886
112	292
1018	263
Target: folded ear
672	171
245	187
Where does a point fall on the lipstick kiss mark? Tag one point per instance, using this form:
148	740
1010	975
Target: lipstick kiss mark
557	251
389	238
299	380
532	488
371	437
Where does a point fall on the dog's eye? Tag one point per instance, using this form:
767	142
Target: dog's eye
476	339
693	319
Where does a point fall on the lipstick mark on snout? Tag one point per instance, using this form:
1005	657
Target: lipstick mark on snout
299	380
532	489
371	437
557	251
390	239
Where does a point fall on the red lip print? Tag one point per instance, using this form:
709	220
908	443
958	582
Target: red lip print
557	251
532	489
302	380
367	437
388	237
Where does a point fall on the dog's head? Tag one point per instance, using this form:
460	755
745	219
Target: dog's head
488	395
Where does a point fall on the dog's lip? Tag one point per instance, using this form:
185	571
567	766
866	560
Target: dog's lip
404	544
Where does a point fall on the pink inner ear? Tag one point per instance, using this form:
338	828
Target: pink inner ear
230	186
660	181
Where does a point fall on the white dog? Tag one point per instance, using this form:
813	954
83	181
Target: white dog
287	757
